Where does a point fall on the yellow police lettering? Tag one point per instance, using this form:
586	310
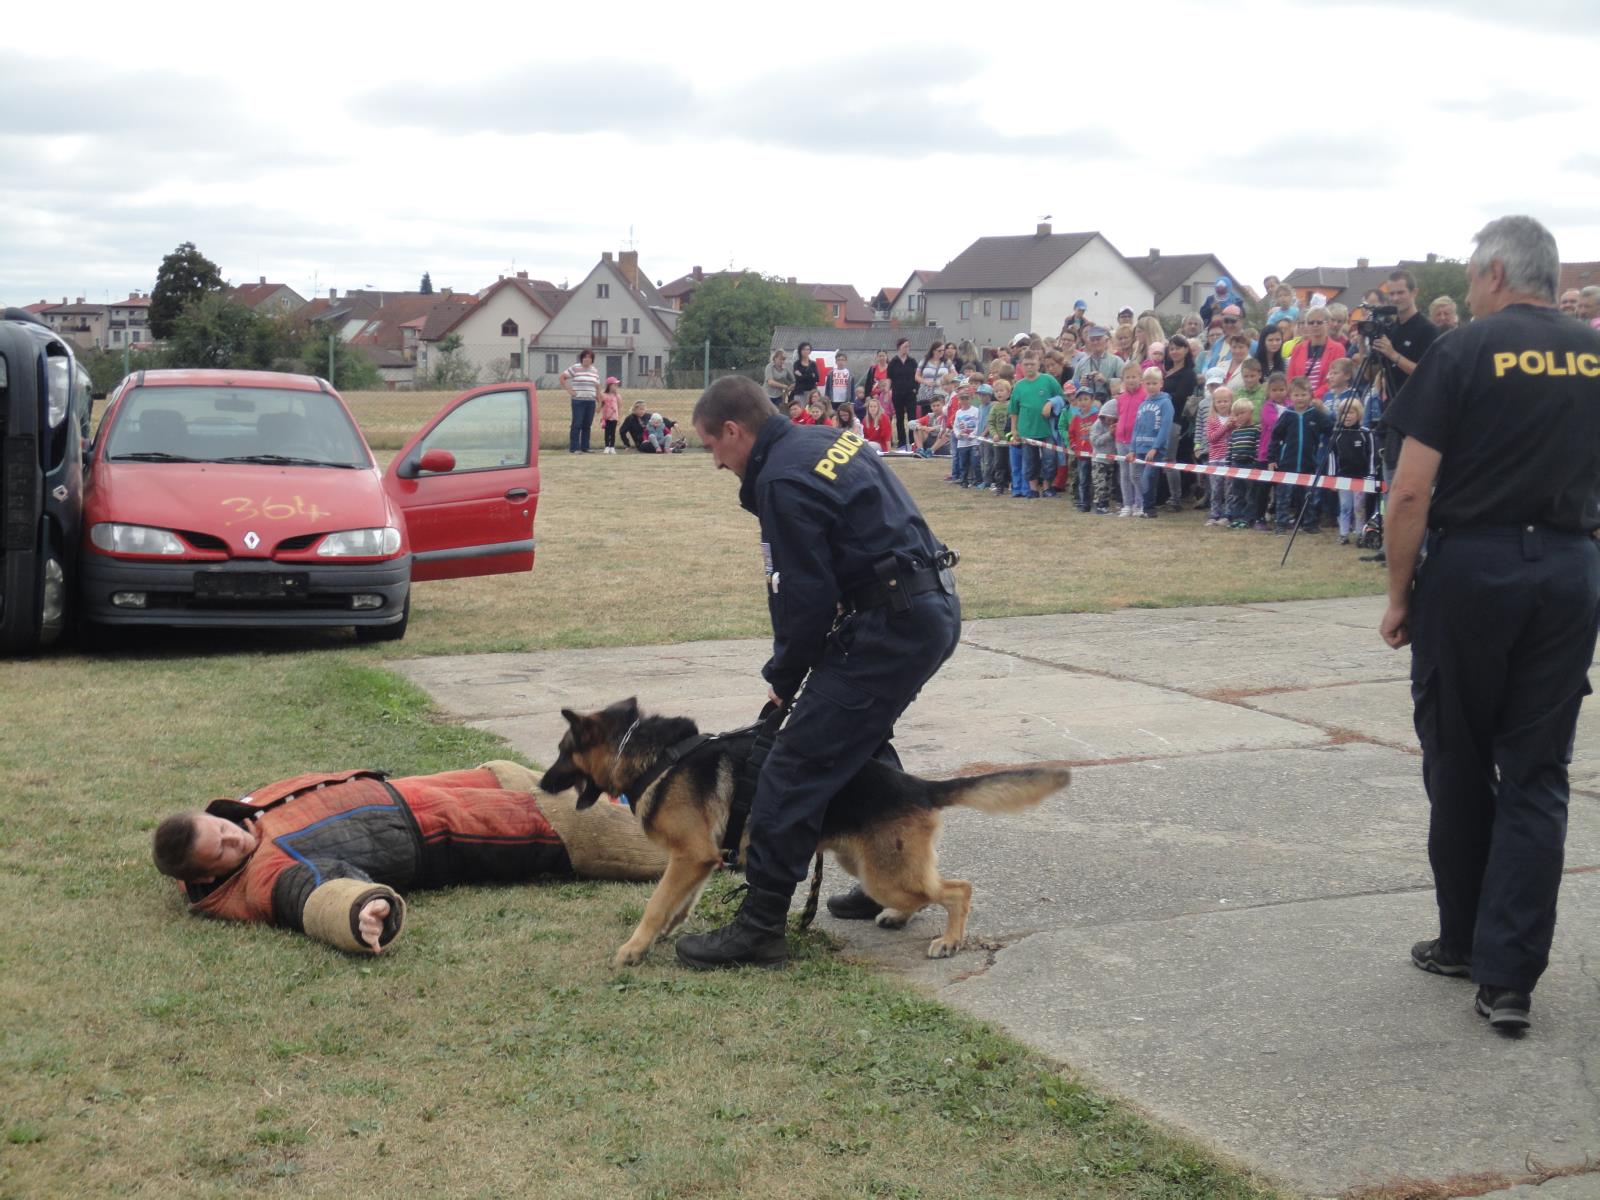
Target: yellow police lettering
1550	367
844	448
1531	362
1589	365
1503	363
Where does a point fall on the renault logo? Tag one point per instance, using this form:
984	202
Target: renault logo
251	540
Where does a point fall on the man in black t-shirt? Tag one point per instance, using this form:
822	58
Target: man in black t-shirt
1404	350
902	387
1500	472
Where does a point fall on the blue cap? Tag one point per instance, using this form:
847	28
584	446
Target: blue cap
1224	281
1079	304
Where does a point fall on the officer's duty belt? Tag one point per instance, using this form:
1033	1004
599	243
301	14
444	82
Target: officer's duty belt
896	587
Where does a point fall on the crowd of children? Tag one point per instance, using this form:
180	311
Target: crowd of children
1022	422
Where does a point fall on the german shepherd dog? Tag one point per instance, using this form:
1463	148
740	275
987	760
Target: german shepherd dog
883	827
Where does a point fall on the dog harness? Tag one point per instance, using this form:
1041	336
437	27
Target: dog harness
761	736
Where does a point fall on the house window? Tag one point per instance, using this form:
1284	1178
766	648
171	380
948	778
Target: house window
1010	310
636	324
988	308
658	362
598	331
966	310
508	329
116	337
516	360
644	364
1188	294
836	310
552	364
602	291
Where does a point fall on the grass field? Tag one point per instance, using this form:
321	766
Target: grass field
495	1052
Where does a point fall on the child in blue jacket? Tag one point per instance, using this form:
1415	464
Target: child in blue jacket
1151	429
1300	432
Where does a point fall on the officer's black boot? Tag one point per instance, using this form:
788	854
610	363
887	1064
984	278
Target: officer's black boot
755	936
854	905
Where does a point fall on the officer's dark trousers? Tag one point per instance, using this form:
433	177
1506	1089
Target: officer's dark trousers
873	668
1503	631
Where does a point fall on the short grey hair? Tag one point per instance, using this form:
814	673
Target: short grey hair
1527	252
1592	292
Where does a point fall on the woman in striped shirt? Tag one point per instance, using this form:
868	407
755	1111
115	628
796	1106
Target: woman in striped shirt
582	382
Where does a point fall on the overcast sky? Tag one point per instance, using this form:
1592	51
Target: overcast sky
352	145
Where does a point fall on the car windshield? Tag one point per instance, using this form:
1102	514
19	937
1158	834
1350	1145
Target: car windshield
270	426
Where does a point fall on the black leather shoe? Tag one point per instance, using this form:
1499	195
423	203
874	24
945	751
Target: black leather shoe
1432	956
754	938
1507	1010
854	905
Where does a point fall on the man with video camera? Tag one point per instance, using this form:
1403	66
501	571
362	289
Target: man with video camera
1399	338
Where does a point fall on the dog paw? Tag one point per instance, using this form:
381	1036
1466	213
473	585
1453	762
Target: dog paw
630	956
942	948
893	918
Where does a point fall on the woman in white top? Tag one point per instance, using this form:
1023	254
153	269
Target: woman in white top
933	369
582	382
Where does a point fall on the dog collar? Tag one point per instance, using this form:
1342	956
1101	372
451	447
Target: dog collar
616	760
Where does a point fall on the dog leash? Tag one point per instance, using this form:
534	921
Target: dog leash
809	913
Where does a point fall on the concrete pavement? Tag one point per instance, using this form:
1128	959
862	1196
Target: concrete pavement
1213	921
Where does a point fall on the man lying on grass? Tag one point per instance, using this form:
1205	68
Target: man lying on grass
327	853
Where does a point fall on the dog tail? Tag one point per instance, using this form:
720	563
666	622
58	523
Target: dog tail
1000	791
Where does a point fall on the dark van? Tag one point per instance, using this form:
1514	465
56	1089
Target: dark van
44	425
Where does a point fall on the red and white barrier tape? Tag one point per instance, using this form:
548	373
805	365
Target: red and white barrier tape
1334	483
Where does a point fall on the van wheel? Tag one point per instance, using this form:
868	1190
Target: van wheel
387	633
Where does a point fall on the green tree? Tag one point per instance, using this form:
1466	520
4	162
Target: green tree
184	276
1442	277
107	367
426	286
352	371
736	314
213	331
452	370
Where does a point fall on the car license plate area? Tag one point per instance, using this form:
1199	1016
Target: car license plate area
250	585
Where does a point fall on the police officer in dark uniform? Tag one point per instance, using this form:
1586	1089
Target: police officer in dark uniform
1502	426
864	611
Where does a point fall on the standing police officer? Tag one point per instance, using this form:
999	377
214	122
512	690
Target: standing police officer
864	611
1502	426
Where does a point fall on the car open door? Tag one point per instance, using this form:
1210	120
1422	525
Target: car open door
469	509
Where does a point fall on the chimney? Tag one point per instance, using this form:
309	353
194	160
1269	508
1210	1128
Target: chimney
791	279
522	274
605	256
1363	263
697	274
80	299
446	291
1042	229
262	279
1432	257
333	293
628	263
1154	253
63	299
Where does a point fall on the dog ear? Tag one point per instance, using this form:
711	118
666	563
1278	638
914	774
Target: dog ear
623	713
588	795
572	718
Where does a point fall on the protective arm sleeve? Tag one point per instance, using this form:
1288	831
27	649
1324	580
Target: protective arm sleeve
328	910
803	593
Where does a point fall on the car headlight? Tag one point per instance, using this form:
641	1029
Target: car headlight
135	539
360	543
58	375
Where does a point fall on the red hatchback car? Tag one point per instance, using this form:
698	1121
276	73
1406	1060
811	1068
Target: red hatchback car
250	498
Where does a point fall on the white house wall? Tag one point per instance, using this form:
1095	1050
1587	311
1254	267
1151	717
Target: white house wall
569	330
1097	275
482	343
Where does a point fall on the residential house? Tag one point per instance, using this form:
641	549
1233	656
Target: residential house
1181	282
128	322
85	325
269	299
907	305
496	332
999	287
842	305
860	344
681	290
380	325
1345	284
619	314
883	303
